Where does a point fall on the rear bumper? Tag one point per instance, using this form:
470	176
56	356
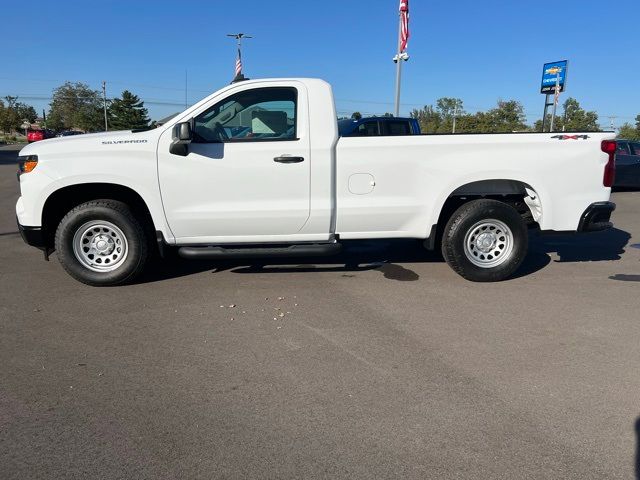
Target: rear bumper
596	217
33	236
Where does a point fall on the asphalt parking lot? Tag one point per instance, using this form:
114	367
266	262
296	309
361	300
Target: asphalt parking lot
381	363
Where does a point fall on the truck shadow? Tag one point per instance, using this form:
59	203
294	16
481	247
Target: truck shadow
589	247
390	258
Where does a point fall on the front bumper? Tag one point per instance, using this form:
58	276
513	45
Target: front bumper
33	236
596	217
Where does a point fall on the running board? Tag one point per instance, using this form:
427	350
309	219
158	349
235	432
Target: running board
302	250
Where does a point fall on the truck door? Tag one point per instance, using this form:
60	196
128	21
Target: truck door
247	171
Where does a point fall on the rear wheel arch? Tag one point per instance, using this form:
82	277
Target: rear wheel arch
509	191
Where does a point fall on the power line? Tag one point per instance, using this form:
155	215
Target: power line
112	82
177	103
172	102
149	101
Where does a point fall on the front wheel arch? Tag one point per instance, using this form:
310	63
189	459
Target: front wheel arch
63	200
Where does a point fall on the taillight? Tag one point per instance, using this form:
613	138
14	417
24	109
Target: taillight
609	147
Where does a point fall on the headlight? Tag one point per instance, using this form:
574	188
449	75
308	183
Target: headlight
27	163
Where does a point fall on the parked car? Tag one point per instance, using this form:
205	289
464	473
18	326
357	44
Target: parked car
627	164
68	133
34	135
378	126
287	185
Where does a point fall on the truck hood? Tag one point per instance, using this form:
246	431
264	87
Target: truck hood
91	142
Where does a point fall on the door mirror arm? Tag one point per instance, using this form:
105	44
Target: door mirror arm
182	136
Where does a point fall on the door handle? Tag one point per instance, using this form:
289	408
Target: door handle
288	159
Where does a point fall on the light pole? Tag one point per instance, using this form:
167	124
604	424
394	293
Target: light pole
104	103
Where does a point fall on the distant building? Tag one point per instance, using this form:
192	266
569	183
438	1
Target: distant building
162	121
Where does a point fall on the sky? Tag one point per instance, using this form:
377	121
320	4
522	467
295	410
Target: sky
476	50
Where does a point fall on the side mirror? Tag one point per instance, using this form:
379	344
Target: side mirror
182	132
181	139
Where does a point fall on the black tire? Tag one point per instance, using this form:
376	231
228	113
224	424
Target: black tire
113	213
467	225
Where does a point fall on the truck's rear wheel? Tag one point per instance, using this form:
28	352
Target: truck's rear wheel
102	243
485	241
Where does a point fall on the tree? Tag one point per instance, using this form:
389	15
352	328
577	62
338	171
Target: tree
356	115
629	132
508	116
448	108
428	118
576	119
9	119
4	123
14	113
439	119
26	112
479	122
573	118
75	105
537	126
128	112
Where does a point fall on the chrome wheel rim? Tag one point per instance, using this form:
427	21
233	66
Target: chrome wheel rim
488	243
100	246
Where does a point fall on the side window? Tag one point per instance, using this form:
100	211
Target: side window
252	115
367	129
635	148
398	128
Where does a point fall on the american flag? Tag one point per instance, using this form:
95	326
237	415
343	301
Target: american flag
404	24
239	64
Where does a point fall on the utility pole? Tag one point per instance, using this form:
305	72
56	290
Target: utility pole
455	114
104	103
185	89
238	71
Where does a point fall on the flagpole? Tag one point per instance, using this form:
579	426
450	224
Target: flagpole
239	37
555	101
398	66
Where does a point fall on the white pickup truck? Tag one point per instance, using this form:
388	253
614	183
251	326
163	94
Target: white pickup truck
258	169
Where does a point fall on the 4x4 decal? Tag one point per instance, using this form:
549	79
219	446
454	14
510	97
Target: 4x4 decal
571	137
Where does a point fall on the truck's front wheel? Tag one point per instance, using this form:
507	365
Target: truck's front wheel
485	241
101	243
